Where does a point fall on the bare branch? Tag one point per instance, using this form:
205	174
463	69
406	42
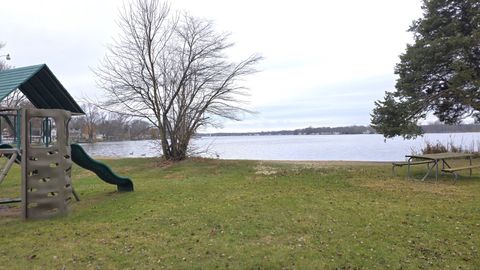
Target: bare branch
171	68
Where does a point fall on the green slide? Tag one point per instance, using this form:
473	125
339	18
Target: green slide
82	159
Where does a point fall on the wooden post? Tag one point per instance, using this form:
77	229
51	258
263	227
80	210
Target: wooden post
470	157
408	168
22	141
8	165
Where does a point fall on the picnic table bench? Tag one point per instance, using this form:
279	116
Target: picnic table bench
455	169
408	163
437	158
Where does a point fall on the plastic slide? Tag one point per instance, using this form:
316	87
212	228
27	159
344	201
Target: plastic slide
82	159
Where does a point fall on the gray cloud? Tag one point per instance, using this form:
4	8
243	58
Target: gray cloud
348	103
322	61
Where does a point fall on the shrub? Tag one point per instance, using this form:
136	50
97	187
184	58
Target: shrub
439	147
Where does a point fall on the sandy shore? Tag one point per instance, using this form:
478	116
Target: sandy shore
329	162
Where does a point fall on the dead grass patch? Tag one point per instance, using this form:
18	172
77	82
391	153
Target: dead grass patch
9	211
323	163
262	169
444	189
174	176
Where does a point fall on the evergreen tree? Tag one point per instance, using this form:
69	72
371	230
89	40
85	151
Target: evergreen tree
439	73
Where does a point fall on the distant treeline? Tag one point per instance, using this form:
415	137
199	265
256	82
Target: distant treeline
436	128
451	128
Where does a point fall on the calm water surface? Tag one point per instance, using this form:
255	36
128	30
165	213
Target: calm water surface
300	147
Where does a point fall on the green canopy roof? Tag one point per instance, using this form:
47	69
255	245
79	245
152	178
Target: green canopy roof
40	86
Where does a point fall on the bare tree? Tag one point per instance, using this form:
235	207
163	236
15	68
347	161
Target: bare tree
113	126
139	129
172	69
90	120
16	98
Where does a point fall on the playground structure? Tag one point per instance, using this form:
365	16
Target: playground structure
41	144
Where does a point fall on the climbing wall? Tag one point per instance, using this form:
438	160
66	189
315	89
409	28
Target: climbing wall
46	164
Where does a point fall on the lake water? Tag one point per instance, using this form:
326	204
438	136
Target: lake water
293	147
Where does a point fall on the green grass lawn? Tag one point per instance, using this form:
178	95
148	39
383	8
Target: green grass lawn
254	215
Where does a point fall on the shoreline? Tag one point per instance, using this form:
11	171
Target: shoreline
330	162
299	162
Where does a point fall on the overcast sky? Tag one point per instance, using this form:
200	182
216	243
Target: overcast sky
326	62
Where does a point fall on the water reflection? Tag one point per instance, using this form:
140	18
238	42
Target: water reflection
145	148
308	147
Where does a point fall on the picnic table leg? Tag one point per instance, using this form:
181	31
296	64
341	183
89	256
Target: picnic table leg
455	175
408	168
428	172
470	157
436	172
446	163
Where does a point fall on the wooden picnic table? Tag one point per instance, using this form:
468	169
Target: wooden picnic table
437	158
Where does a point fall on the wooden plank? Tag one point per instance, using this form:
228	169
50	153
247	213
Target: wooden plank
437	156
7	166
460	168
5	201
411	163
406	163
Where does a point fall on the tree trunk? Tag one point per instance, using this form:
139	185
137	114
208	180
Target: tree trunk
175	152
172	150
90	133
